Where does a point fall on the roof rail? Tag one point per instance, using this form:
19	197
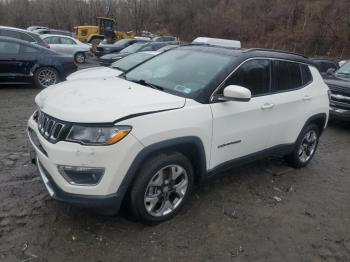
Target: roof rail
276	51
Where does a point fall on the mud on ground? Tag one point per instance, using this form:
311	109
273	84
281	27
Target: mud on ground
261	212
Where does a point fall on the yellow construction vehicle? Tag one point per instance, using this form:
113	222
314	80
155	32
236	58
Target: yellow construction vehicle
95	34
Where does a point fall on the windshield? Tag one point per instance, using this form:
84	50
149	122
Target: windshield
344	71
131	61
181	71
133	48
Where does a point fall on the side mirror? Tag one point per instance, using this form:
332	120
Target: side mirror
235	93
330	71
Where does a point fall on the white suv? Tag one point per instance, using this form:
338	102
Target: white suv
146	137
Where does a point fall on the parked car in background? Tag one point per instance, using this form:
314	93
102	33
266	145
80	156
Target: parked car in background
177	119
167	38
107	60
103	48
324	64
339	85
33	28
53	32
343	62
68	46
217	42
116	69
22	35
23	62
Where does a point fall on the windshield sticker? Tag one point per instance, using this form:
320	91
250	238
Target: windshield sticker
183	89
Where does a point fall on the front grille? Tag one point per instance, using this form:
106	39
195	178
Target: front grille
339	98
50	128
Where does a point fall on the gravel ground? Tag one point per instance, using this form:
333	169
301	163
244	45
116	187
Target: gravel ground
261	212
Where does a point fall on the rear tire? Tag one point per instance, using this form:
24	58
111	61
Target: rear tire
161	188
305	147
46	76
80	58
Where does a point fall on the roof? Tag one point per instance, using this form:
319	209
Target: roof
51	29
251	53
15	40
47	35
17	29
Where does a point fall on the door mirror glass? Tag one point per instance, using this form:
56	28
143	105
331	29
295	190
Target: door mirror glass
330	71
236	93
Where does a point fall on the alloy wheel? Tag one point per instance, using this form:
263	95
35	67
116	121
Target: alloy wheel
166	190
80	58
308	146
47	77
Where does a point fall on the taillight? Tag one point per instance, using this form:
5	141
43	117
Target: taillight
47	46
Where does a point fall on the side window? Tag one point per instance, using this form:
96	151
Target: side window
10	33
29	50
52	40
306	74
8	48
67	41
254	75
27	37
147	48
287	76
155	47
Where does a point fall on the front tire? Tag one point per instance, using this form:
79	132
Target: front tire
80	58
46	76
305	147
162	187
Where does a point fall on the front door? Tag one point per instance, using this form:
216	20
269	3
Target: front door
10	64
243	128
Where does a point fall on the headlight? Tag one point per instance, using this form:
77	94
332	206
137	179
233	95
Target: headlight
97	135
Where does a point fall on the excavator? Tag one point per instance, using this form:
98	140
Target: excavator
105	29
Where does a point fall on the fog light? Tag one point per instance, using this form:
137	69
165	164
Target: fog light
83	176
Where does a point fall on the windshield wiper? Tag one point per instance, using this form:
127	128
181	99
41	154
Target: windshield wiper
145	83
343	73
118	68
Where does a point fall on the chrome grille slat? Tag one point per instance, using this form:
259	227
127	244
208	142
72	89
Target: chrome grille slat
50	128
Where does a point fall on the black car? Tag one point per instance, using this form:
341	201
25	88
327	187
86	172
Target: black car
104	48
22	34
339	85
23	62
107	60
323	65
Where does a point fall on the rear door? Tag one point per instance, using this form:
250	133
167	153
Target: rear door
11	68
29	59
243	128
68	46
55	43
291	98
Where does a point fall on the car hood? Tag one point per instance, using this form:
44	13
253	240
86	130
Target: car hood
94	72
334	82
103	100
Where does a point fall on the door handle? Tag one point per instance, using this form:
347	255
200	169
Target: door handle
307	98
267	106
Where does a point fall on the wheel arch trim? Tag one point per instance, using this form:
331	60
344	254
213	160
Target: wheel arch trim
167	145
318	117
